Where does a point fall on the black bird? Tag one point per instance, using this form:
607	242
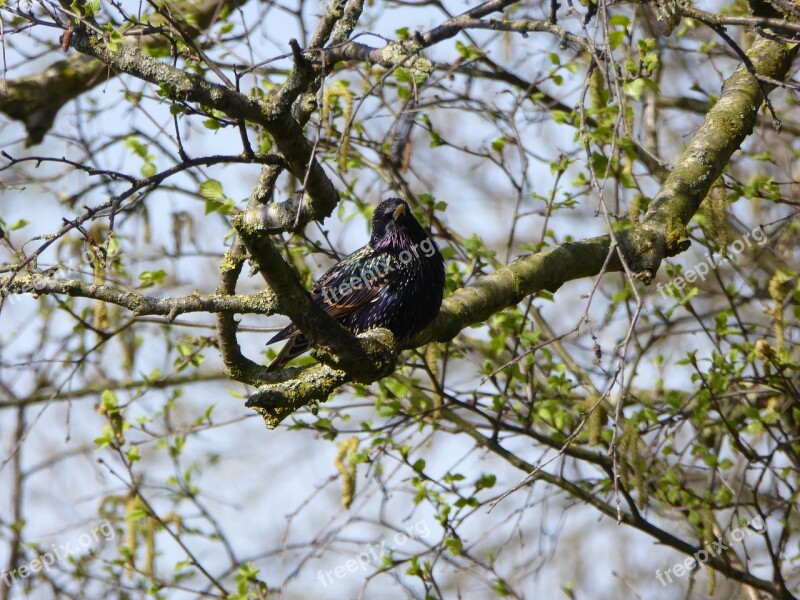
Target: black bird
396	281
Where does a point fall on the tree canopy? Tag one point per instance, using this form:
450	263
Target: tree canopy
606	404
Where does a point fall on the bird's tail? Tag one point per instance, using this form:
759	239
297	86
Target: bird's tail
295	346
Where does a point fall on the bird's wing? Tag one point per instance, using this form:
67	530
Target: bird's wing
353	282
365	267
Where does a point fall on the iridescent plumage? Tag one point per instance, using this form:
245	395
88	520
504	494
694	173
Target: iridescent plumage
396	281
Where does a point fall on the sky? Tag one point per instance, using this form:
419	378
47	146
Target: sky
274	493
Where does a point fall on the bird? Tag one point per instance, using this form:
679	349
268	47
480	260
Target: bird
395	281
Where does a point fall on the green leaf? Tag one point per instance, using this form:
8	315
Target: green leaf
450	477
225	207
560	116
137	514
105	439
114	38
151	278
485	482
436	140
183	564
636	88
454	545
134	144
89	8
619	21
112	245
212	190
468	52
615	38
148	170
109	402
403	75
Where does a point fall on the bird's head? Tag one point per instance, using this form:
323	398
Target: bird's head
394	224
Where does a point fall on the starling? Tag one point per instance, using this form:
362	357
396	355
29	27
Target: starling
396	281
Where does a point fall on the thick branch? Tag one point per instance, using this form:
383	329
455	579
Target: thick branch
307	385
544	271
662	233
263	303
364	360
36	99
724	129
701	107
407	53
273	113
292	214
743	21
547	270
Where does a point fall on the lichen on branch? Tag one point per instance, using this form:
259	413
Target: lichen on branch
660	235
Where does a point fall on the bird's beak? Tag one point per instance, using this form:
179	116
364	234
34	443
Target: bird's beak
400	210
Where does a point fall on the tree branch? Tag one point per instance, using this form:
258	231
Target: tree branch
273	113
36	99
263	303
724	128
661	234
335	345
